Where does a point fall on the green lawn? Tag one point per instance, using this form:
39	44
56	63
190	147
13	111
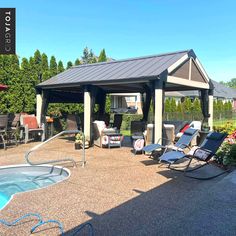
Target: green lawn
125	132
222	122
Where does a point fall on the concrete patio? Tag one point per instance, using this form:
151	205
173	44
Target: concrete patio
122	194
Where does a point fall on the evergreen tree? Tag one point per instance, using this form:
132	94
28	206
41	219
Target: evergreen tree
60	67
187	104
45	67
9	74
44	62
179	107
88	56
102	57
77	62
172	105
53	66
69	65
38	66
196	105
167	105
220	106
37	58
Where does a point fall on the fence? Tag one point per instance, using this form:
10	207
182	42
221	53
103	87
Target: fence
219	118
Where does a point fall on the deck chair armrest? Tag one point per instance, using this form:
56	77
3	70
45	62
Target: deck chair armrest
206	159
205	150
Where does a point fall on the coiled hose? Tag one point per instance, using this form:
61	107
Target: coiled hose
42	222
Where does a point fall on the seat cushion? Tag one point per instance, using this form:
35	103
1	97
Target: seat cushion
152	147
31	121
172	156
190	131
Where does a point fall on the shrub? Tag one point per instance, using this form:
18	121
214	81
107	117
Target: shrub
226	154
127	118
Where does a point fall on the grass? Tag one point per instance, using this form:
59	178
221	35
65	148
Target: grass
125	132
222	122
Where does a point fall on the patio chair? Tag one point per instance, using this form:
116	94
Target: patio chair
31	129
137	128
72	122
14	126
180	145
203	153
117	121
105	137
3	129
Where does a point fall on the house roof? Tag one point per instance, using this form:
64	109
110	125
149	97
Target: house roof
223	91
134	68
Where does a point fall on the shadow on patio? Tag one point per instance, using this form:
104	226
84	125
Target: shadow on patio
180	206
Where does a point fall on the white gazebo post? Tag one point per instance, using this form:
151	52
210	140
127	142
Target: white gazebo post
210	109
39	102
87	114
158	109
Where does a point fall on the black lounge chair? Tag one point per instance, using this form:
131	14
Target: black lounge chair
181	144
204	153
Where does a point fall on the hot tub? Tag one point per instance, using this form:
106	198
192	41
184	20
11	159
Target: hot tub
24	178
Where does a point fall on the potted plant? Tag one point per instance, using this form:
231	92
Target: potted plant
79	141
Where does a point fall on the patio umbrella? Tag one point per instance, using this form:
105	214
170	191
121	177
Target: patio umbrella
3	87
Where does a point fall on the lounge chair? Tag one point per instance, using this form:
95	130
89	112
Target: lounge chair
180	145
203	153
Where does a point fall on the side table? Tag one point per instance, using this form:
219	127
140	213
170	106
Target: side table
114	140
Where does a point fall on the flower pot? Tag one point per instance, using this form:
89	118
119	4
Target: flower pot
78	146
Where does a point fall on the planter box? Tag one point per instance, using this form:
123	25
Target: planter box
78	146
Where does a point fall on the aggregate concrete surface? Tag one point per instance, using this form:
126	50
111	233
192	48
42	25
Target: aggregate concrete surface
122	194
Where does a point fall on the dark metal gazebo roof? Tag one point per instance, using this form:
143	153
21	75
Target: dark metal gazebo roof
133	68
180	70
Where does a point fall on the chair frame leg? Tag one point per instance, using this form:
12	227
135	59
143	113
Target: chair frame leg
186	171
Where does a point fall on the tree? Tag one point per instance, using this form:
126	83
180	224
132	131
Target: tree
196	107
53	66
167	105
88	56
187	104
102	57
60	67
231	83
45	67
77	62
69	64
44	62
172	105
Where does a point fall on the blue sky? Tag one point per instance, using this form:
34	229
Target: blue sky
129	28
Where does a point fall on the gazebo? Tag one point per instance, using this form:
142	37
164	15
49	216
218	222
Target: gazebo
150	75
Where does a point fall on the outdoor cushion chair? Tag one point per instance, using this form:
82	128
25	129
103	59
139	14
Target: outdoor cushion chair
203	153
31	128
105	137
72	121
180	145
117	121
137	128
